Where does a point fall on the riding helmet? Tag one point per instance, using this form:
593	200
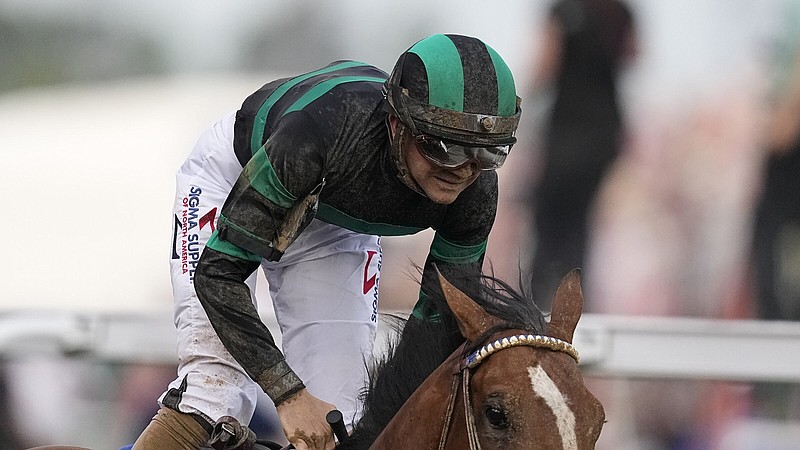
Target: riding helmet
457	88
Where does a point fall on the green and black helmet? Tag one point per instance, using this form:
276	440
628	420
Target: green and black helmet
456	88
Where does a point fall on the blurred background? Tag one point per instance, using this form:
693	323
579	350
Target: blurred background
669	173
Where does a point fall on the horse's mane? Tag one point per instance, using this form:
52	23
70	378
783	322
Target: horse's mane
423	345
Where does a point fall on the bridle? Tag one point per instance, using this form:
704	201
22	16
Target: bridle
475	358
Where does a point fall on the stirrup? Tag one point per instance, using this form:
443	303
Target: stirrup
229	434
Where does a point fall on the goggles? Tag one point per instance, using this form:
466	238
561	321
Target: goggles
451	155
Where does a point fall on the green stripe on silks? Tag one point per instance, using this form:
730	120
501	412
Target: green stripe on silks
329	214
215	243
445	74
263	179
506	104
259	170
320	89
423	311
446	251
260	119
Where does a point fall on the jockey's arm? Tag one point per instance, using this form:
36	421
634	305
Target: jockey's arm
454	269
221	289
220	286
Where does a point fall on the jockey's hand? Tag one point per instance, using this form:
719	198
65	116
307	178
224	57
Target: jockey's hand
303	421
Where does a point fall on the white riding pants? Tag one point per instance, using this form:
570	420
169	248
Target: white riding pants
324	294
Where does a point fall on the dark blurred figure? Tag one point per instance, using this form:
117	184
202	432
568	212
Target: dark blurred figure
9	436
776	241
585	44
776	238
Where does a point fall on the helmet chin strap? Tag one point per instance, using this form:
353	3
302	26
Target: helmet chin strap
397	140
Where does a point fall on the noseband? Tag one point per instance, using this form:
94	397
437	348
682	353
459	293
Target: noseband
475	358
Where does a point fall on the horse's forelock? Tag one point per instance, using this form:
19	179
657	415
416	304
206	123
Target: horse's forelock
501	300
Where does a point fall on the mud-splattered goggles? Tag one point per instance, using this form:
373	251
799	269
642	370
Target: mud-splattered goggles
451	154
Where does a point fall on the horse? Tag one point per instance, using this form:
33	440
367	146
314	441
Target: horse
487	371
512	383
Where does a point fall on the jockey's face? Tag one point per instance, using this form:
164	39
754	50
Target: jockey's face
440	184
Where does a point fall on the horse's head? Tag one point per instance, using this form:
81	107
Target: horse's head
524	391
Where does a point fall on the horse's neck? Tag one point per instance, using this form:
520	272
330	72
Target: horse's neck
419	422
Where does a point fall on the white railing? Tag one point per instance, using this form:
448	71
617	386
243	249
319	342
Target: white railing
610	346
688	348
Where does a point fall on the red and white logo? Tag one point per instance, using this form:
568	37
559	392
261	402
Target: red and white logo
369	282
373	267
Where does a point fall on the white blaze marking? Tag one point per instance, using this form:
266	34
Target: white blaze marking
544	387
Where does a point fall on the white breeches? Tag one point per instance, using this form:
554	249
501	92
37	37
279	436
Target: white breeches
324	294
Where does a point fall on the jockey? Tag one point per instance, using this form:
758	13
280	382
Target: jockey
302	181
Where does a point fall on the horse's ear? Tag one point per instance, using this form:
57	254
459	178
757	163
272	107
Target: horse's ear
473	321
567	307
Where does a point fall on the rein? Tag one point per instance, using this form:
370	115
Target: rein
475	358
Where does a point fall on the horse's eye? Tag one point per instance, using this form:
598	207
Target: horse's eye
496	417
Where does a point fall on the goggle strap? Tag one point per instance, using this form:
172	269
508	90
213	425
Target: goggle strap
482	124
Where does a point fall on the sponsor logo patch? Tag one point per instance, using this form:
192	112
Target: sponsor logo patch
186	244
371	282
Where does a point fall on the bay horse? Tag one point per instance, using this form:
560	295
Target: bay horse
512	383
486	372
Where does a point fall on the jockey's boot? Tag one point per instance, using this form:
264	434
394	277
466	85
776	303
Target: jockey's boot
172	430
